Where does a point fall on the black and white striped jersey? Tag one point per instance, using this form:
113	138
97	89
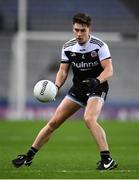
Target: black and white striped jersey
85	59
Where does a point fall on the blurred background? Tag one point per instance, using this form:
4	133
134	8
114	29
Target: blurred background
32	33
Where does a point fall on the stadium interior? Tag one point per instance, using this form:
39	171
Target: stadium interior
117	20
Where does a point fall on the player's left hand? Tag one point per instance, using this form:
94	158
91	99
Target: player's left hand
91	82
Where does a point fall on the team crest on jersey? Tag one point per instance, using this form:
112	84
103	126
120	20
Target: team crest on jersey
94	54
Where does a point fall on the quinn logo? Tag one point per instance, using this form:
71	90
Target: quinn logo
85	64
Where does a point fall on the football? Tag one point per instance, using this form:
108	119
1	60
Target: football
45	91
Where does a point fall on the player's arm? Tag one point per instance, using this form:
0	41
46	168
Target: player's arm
62	74
108	70
106	73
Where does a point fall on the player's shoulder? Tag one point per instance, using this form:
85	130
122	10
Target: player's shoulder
70	43
96	41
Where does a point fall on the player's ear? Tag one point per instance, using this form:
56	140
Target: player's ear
73	28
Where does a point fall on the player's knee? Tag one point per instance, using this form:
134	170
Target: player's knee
90	120
87	120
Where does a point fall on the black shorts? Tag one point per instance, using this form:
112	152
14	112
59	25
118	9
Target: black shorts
81	96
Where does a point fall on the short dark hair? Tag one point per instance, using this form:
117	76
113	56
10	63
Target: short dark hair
82	18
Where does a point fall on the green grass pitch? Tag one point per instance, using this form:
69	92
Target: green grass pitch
71	152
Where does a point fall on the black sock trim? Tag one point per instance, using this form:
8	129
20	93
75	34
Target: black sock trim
34	149
104	153
105	156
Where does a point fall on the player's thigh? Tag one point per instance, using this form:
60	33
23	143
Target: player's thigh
65	109
93	108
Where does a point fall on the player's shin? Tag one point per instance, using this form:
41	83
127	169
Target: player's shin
43	136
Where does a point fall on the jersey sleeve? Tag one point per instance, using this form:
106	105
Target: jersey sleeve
104	52
64	58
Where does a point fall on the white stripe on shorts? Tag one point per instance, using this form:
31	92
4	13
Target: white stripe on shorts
81	104
74	100
97	97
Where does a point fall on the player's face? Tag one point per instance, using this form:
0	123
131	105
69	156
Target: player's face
81	32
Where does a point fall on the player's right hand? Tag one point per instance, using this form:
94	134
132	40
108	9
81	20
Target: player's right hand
91	82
